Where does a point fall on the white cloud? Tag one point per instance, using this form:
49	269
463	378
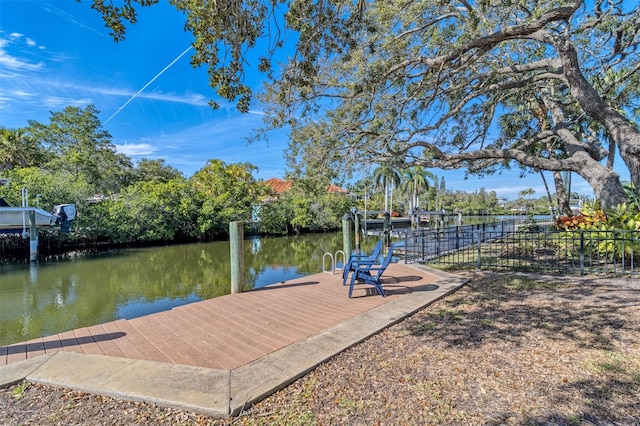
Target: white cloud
136	149
21	94
61	102
11	62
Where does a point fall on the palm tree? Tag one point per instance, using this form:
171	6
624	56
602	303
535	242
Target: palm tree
18	150
527	193
386	176
415	180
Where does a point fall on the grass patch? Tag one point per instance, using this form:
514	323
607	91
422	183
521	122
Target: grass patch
616	364
352	406
528	284
19	391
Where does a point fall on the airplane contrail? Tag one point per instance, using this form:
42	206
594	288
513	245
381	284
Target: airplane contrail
147	85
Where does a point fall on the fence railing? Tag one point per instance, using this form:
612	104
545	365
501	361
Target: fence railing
526	246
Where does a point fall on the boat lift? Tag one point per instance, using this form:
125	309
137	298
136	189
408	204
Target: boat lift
11	219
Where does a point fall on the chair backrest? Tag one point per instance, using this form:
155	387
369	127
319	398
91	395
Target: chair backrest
386	260
376	251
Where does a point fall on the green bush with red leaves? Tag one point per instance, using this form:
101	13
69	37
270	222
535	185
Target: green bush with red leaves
614	233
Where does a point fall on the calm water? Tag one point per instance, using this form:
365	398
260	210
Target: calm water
53	296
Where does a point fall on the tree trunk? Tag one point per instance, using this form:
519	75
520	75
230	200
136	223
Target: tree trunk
563	198
604	181
549	197
624	133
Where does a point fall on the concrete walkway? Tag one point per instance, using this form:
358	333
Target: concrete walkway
221	355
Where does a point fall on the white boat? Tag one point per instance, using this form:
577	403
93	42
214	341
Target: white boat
12	218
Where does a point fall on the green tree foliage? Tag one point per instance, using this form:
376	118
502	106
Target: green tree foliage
144	212
424	82
387	178
155	211
415	181
152	202
52	187
224	31
275	216
475	203
80	146
17	149
155	170
315	208
308	206
225	193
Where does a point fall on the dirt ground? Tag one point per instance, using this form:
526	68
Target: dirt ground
505	349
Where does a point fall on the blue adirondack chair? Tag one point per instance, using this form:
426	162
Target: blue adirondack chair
356	259
370	273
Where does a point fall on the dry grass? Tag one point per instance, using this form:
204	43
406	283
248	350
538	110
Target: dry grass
505	349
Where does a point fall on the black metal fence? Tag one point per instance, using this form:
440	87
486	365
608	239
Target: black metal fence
526	246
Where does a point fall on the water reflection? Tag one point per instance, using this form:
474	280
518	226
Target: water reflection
54	296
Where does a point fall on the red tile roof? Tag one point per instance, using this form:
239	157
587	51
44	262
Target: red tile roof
335	188
279	186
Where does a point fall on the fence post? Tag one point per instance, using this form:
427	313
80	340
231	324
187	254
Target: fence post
346	234
581	252
236	247
479	250
406	246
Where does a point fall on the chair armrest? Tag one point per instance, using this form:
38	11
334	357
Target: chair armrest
372	268
366	262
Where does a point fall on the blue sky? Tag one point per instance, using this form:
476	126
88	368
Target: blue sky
55	53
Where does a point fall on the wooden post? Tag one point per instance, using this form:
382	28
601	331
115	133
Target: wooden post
356	219
346	234
387	229
33	237
236	247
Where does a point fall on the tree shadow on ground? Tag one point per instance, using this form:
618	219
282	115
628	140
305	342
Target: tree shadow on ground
511	308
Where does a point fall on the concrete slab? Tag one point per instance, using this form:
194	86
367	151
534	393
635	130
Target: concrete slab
14	373
178	386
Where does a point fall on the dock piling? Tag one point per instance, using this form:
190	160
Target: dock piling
33	237
236	247
346	234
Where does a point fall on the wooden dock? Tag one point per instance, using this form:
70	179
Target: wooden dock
230	331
